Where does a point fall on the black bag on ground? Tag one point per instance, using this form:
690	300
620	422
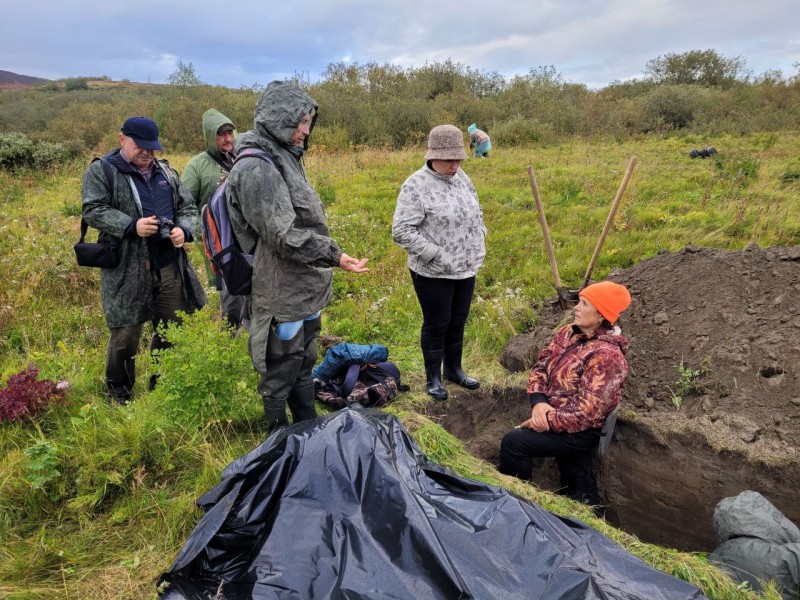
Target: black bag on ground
106	254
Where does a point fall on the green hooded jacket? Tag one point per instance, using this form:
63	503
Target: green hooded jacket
276	205
126	290
204	173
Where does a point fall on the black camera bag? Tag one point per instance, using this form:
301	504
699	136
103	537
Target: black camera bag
105	255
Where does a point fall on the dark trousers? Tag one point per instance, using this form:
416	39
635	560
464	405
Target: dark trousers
572	451
445	307
289	362
124	341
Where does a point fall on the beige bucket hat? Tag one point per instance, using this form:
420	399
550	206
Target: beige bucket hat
446	142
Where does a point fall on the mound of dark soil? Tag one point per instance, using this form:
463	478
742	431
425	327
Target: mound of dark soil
712	403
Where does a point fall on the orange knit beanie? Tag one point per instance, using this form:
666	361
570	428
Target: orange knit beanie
608	298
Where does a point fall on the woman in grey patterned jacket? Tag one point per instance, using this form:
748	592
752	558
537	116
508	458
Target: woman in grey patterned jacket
439	222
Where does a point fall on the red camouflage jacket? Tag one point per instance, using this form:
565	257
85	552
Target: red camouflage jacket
581	376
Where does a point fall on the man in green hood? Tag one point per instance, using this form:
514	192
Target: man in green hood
273	204
202	175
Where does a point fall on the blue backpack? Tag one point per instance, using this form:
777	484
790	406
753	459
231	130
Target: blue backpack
228	259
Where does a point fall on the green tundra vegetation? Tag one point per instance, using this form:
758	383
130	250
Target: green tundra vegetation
97	499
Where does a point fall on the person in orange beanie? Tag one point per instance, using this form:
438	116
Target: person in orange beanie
574	385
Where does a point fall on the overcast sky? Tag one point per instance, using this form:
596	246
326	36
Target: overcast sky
243	42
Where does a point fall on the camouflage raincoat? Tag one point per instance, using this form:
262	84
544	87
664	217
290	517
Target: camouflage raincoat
126	290
581	377
276	205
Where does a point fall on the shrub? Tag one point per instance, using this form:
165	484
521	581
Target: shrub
207	374
76	83
519	131
23	396
17	151
669	107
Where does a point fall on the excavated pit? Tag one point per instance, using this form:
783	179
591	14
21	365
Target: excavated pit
731	320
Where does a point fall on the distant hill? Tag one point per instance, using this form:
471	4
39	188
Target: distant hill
14	80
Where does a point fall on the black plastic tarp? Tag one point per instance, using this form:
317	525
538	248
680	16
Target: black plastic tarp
347	506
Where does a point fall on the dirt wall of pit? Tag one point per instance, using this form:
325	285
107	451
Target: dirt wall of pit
660	487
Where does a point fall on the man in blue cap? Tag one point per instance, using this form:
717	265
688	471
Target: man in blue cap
140	203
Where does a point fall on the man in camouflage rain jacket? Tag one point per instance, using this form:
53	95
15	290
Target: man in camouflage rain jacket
274	204
202	176
154	278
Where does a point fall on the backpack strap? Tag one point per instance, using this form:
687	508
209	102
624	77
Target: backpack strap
257	153
219	161
108	170
392	370
350	380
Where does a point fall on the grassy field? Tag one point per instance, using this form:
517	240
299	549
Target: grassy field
96	500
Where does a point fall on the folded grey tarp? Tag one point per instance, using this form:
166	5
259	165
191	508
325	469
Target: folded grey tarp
758	543
347	506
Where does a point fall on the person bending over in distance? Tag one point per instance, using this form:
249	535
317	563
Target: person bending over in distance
479	141
574	385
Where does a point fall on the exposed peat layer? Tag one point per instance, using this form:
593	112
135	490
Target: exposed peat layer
712	403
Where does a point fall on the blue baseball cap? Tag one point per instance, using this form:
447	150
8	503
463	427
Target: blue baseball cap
143	131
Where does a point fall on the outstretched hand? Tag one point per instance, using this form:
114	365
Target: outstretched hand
356	265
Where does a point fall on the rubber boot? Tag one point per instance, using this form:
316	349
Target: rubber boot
301	403
433	375
453	371
275	413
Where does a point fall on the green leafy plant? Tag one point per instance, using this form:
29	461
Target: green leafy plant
687	380
42	462
207	374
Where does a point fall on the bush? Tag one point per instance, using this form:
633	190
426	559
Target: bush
76	83
520	131
669	107
17	151
207	374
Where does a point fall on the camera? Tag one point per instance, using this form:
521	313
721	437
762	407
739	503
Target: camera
164	227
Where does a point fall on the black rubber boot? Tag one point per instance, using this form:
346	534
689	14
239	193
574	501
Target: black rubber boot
433	375
301	403
275	413
453	371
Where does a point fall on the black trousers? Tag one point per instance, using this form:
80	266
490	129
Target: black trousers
445	307
124	341
572	451
289	362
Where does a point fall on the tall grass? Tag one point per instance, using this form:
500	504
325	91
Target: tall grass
121	505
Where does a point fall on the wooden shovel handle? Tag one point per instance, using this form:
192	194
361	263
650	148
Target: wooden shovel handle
545	230
609	220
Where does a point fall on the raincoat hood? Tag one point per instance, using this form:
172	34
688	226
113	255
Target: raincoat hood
472	128
279	110
212	121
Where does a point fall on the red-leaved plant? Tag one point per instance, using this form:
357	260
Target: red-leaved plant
23	396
